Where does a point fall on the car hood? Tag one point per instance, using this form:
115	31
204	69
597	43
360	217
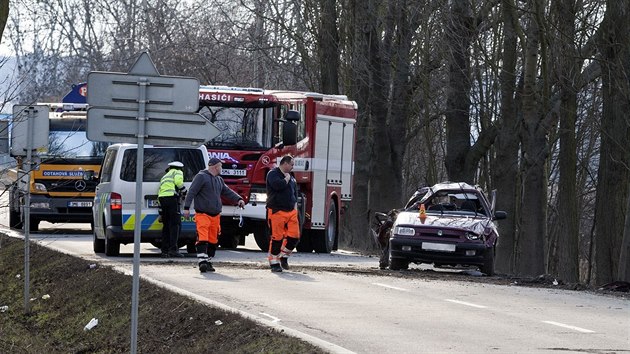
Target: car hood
478	225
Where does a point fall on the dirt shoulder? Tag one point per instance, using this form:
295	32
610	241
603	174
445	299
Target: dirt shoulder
66	292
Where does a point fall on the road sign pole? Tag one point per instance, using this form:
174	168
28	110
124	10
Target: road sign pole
142	99
27	208
165	109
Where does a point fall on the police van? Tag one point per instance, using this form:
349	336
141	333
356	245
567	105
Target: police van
115	200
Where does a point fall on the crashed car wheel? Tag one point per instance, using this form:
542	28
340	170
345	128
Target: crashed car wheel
488	262
398	263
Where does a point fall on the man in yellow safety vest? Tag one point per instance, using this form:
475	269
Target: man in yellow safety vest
171	189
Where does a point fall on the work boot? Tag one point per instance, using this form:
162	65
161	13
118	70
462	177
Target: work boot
276	268
175	254
284	263
210	267
203	266
164	255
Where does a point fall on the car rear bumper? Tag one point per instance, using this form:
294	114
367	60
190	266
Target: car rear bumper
415	253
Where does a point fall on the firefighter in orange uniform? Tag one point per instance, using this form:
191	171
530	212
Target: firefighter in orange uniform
282	214
206	190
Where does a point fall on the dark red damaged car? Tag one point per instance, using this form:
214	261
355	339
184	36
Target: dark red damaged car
446	224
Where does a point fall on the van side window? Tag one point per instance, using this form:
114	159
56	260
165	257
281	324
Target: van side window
156	161
108	166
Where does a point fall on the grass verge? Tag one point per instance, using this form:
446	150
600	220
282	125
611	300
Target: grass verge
167	322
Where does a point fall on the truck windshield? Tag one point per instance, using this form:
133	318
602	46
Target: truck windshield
241	127
67	138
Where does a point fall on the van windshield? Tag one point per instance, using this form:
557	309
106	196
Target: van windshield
156	161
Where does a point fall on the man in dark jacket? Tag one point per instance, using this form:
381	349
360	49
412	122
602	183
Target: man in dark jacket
205	191
282	215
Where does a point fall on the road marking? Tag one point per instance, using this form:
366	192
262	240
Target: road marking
237	252
390	287
583	330
466	303
273	318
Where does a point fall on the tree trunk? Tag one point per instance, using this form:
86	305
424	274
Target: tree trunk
328	48
624	255
458	35
357	220
4	15
613	177
506	146
530	245
386	178
401	87
566	262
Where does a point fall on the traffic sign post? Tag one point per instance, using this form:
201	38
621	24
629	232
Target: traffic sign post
22	117
144	107
173	128
30	122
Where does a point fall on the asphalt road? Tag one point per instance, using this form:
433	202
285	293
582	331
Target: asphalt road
370	312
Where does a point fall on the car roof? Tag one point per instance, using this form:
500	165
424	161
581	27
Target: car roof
453	186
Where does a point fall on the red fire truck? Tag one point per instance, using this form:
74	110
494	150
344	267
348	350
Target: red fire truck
256	132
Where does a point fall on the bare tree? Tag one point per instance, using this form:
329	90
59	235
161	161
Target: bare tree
614	161
328	47
530	242
563	257
505	168
4	15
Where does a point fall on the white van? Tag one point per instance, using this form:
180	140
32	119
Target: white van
115	200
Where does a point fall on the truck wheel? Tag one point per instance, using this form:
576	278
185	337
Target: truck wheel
34	224
98	244
305	245
488	262
325	241
15	220
261	235
112	248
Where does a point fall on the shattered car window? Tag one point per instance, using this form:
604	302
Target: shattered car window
452	202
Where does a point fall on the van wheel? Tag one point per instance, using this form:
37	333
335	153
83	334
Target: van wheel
228	241
112	248
98	244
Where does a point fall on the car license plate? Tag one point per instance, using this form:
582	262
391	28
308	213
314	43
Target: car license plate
79	204
228	172
153	203
445	247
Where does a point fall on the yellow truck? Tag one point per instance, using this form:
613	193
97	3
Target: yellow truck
59	193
